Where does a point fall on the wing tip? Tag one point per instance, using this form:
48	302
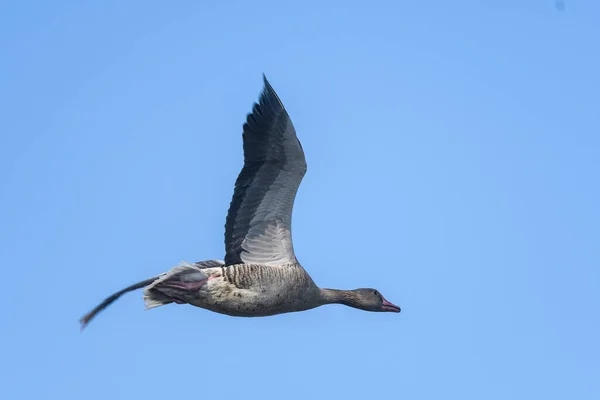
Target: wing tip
267	83
268	92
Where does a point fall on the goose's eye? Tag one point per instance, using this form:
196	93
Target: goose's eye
375	292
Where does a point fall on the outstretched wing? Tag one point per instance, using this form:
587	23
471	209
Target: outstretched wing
258	229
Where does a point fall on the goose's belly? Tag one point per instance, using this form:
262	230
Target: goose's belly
264	299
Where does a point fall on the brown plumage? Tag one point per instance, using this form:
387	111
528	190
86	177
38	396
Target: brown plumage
261	275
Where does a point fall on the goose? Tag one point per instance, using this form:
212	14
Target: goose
260	275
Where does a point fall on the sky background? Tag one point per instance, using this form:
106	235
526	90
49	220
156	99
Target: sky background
453	153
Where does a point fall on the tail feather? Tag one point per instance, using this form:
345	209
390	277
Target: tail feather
153	298
155	288
154	294
85	320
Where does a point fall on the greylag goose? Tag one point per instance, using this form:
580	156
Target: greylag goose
260	275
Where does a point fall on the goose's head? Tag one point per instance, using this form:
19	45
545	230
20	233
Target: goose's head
363	299
372	300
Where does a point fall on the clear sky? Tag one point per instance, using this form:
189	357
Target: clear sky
453	153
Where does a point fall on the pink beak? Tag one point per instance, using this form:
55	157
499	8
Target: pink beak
387	306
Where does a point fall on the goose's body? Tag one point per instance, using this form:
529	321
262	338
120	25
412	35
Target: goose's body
243	290
260	275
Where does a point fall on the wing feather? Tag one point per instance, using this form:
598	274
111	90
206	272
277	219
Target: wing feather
258	229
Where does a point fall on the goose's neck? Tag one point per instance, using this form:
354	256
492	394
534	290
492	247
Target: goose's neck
335	296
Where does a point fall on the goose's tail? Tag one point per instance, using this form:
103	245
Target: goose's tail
175	285
172	286
110	299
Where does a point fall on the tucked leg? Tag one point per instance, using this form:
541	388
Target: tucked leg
188	286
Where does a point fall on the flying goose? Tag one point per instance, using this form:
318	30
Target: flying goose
260	275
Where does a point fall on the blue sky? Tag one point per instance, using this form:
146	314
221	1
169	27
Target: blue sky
453	153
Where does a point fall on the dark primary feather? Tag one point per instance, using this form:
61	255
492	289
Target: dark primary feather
259	222
110	299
